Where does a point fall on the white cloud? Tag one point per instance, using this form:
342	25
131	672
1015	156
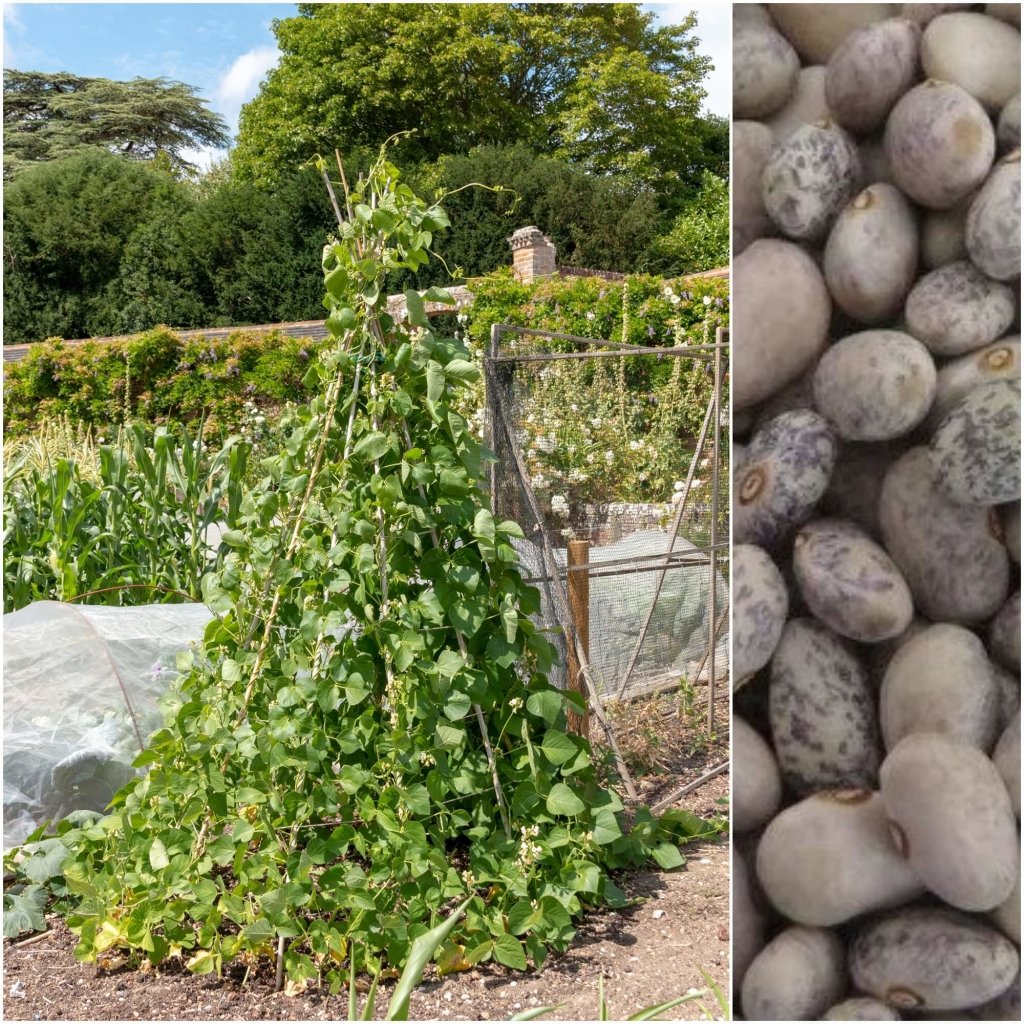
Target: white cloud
203	157
243	78
241	82
12	19
13	25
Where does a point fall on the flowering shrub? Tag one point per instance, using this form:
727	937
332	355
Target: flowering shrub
155	377
609	429
641	414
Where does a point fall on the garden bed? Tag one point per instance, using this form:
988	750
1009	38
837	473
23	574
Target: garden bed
648	953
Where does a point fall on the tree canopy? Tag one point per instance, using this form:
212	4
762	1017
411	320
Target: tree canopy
586	115
66	225
48	116
599	84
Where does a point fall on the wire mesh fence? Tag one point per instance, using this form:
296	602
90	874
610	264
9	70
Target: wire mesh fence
614	462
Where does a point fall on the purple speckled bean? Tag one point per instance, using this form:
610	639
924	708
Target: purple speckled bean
809	178
760	605
786	471
957	309
976	447
822	711
849	582
951	555
993	221
928	958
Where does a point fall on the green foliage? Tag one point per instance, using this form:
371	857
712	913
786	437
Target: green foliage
586	115
595	221
241	254
97	245
158	376
155	377
24	906
598	82
699	235
135	527
67	224
49	116
366	738
611	430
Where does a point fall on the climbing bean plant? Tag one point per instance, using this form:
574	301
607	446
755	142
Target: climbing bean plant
366	737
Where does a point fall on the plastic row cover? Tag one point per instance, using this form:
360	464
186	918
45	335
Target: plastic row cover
80	691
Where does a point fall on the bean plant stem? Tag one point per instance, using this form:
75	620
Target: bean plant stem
477	710
332	404
689	787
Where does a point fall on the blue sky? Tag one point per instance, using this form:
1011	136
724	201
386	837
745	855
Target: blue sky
224	50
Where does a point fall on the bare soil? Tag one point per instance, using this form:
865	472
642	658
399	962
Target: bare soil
651	952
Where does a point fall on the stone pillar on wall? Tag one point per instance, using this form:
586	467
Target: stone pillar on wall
533	254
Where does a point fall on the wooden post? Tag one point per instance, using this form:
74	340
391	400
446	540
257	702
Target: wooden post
712	596
579	608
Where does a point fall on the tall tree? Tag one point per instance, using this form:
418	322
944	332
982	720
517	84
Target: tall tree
599	83
51	116
67	224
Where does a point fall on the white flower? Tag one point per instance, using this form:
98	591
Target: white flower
635	446
609	457
591	315
546	444
596	421
529	851
559	506
707	300
678	485
515	703
573	407
676	498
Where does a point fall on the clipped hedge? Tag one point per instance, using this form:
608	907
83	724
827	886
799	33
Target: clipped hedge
158	376
155	377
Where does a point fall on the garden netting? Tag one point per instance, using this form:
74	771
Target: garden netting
677	639
602	444
80	691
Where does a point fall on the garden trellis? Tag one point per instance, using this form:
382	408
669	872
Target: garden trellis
366	738
655	572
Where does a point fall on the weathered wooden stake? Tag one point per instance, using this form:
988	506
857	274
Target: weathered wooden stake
713	610
579	607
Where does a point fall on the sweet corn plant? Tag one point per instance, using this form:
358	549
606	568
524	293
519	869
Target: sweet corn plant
366	737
